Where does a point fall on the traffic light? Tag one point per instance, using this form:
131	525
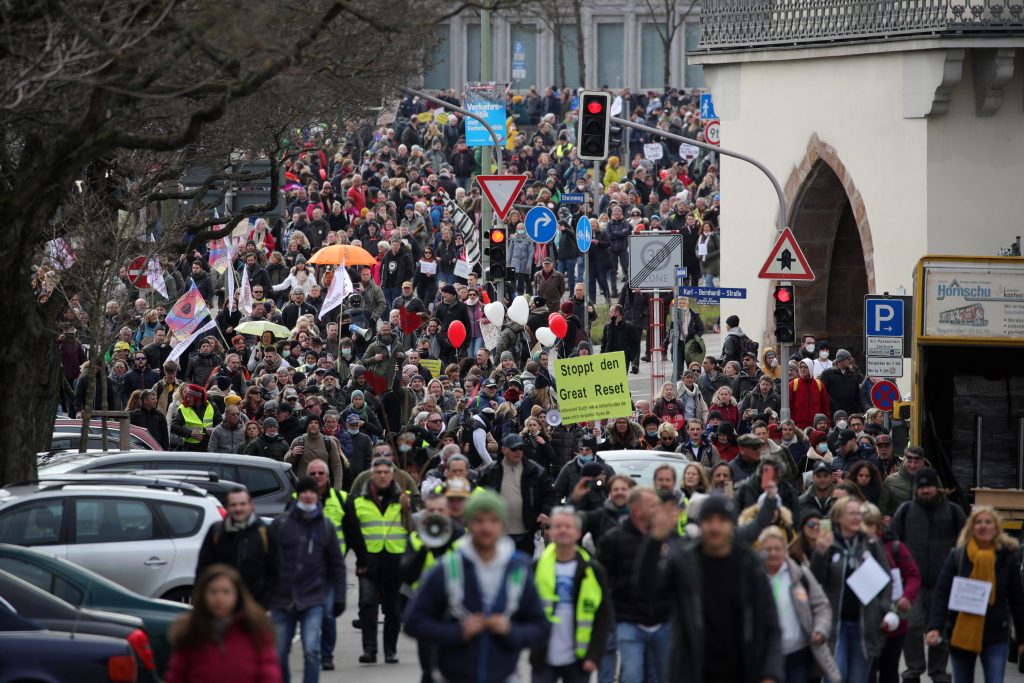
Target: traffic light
592	131
496	249
785	313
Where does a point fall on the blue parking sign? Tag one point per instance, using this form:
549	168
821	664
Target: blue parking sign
883	317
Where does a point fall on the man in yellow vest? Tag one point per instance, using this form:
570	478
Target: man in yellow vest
574	590
195	419
377	520
333	503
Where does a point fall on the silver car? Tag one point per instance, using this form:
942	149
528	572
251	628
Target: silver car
146	538
640	465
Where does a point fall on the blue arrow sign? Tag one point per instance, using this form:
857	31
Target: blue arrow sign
584	234
573	198
883	317
714	292
541	224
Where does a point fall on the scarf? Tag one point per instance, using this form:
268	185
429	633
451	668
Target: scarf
969	630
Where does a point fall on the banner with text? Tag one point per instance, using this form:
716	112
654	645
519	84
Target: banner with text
486	100
593	387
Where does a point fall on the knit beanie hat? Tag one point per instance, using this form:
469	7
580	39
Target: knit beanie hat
485	502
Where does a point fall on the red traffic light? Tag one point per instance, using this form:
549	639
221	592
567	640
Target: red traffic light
497	236
783	295
595	107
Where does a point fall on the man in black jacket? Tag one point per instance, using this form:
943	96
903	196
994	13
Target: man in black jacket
450	310
621	335
725	625
296	307
151	419
525	486
842	382
139	377
242	541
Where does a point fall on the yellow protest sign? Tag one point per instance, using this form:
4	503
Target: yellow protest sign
425	116
441	116
593	387
431	365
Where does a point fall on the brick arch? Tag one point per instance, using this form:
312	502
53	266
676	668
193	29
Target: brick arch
829	219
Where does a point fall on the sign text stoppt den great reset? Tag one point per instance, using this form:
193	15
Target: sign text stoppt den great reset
593	387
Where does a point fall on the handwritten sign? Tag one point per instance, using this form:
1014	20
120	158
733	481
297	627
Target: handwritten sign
969	595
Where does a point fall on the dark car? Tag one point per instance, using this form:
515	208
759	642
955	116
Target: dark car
55	614
81	587
29	652
270	482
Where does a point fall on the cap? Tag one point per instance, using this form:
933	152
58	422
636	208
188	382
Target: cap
592	469
232	400
926	477
819	417
539	301
448	289
290	393
717	506
122	346
822	466
285	407
750	441
547	259
490	382
883	438
512	441
845	436
750	354
270	406
306	484
457	488
507	355
269	422
843	354
353	419
588	441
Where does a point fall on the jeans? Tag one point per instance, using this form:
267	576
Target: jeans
634	645
993	663
854	667
798	666
913	647
572	270
390	294
328	628
309	622
609	663
709	280
475	344
571	673
598	278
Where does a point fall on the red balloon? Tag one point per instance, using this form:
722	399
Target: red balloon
558	325
457	333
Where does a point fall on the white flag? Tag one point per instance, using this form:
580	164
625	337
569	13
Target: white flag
155	275
245	296
230	272
341	286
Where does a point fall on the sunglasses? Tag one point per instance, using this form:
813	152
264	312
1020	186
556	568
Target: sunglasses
813	524
317	474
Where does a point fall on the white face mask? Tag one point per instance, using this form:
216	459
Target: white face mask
823	354
809	347
841	424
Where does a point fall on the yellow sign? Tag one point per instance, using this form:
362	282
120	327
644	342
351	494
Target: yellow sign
441	116
425	116
593	387
432	365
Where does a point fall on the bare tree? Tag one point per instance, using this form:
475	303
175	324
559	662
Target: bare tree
555	15
669	16
173	83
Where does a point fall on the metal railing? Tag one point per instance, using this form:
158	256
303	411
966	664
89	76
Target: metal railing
740	24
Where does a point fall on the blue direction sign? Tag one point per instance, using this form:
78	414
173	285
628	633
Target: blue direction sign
584	234
883	317
714	292
573	198
541	224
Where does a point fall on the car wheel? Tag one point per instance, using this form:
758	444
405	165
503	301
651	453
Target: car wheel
182	594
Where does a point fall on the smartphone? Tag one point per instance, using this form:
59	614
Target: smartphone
766	479
825	525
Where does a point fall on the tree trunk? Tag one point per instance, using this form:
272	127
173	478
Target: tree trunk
666	79
581	54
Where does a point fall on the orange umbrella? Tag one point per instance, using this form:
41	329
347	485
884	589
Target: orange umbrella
342	254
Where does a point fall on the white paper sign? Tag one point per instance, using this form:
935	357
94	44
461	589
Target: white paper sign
688	151
461	268
490	333
653	151
428	267
869	580
969	595
897	584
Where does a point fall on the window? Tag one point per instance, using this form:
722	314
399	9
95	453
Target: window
123	466
67	592
472	52
610	55
565	52
112	520
652	57
27	572
63	443
439	74
259	481
694	72
33	524
523	53
182	520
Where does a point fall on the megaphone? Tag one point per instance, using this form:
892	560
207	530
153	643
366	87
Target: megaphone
361	332
434	530
553	417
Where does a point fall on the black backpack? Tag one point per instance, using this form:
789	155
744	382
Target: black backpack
748	345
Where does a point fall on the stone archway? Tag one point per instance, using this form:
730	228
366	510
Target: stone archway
829	220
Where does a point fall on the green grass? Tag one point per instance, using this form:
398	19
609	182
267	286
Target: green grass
709	314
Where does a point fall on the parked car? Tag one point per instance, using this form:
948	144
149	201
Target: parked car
50	612
29	652
67	435
81	587
640	465
144	537
270	482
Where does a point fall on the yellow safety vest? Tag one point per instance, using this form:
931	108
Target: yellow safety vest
381	532
334	510
417	544
192	421
587	602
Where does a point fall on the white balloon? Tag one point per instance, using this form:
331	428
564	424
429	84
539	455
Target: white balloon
495	312
546	337
519	311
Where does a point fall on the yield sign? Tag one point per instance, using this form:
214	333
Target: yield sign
137	272
786	261
501	191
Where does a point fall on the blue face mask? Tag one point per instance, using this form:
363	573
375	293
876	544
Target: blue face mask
587	458
306	507
404	447
352	431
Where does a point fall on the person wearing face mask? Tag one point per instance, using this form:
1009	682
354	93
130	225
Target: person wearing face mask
572	471
821	360
384	355
520	253
808	349
269	444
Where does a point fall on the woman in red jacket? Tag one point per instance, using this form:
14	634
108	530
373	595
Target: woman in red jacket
807	397
726	405
888	663
226	637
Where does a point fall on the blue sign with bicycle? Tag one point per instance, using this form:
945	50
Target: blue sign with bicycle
584	234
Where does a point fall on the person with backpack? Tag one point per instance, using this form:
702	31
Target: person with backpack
243	541
736	342
313	445
807	397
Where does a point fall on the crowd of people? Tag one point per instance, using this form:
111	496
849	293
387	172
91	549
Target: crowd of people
479	522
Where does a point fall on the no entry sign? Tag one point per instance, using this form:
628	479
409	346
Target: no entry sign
884	395
137	272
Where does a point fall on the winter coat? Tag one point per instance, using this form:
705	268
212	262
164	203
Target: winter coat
897	489
520	251
814	613
675	576
635	307
730	412
620	442
929	531
807	397
552	288
311	561
571	474
226	440
235	658
843	390
267	447
396	269
201	366
154	422
253	551
535	486
618	234
830	570
900	558
619	552
748	491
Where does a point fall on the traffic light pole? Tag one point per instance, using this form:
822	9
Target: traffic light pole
783	358
596	188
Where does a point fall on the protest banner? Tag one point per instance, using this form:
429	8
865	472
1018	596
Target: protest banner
593	387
